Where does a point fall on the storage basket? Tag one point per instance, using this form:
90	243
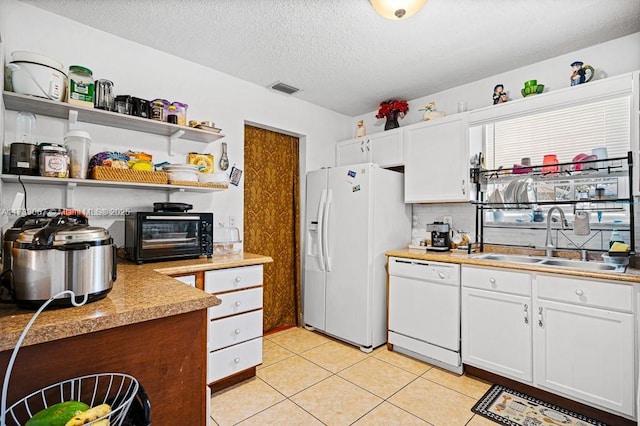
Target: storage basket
128	175
116	389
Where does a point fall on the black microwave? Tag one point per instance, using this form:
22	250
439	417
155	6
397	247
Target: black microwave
154	236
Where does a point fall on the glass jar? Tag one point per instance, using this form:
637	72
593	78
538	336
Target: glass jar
81	86
181	110
159	109
54	161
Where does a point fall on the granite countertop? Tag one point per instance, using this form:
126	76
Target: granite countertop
141	293
461	257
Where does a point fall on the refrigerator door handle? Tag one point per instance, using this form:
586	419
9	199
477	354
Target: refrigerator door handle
325	231
321	208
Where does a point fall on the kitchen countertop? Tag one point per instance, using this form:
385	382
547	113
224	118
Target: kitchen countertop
141	293
461	257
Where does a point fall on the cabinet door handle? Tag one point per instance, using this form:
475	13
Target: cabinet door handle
441	275
526	314
579	292
237	331
492	280
540	322
368	148
362	145
464	191
236	360
238	303
238	279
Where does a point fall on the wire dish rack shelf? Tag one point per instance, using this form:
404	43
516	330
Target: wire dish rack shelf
594	186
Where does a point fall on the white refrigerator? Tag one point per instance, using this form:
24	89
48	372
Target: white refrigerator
354	214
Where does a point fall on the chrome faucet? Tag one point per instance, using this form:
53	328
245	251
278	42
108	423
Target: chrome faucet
549	245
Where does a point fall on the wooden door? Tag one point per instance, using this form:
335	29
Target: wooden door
271	219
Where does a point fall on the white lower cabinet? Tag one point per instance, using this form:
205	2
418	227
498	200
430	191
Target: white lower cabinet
583	351
573	337
235	326
496	322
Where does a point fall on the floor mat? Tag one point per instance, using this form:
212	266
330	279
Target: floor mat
509	407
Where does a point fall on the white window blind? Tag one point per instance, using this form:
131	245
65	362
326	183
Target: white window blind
566	133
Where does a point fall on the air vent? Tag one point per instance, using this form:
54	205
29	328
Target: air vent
284	88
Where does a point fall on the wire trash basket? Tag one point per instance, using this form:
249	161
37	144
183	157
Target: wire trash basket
116	389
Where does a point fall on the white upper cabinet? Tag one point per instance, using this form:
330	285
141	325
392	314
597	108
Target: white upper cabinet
436	160
384	149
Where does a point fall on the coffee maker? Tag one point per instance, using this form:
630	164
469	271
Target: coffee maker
440	236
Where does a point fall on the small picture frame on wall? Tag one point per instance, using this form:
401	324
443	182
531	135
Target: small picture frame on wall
234	177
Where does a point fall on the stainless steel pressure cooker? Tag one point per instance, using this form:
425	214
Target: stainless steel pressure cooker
63	255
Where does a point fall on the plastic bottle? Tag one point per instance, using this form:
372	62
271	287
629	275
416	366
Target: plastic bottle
615	237
173	115
78	144
81	86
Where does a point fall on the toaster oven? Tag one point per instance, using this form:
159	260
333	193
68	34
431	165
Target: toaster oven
155	236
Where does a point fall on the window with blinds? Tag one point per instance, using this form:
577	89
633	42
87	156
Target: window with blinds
566	133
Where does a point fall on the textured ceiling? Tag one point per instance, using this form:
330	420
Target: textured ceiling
342	55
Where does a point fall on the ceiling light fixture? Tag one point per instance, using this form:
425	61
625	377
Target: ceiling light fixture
397	9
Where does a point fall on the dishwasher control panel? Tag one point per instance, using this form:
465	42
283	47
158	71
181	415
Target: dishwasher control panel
425	270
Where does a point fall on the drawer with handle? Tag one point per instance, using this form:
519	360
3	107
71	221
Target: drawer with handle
239	328
582	291
236	302
220	280
234	359
494	279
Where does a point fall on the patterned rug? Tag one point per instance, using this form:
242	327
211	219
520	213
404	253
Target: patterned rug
508	407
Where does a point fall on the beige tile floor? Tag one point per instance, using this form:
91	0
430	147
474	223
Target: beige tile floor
307	378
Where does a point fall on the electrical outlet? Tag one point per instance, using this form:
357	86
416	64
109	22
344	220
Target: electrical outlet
449	220
232	221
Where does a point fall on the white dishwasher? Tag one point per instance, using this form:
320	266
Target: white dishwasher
424	311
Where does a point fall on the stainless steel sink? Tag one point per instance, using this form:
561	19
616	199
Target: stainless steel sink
508	258
584	266
548	261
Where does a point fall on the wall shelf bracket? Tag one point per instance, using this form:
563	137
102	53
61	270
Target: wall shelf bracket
174	137
69	194
73	119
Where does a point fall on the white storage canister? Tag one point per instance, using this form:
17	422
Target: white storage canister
78	143
81	86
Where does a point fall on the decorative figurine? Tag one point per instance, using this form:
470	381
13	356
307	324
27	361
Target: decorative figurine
579	74
361	130
499	95
430	112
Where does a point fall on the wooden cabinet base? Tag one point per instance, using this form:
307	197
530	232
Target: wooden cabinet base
166	355
569	404
232	380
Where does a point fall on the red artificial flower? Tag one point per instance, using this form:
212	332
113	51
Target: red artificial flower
387	107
